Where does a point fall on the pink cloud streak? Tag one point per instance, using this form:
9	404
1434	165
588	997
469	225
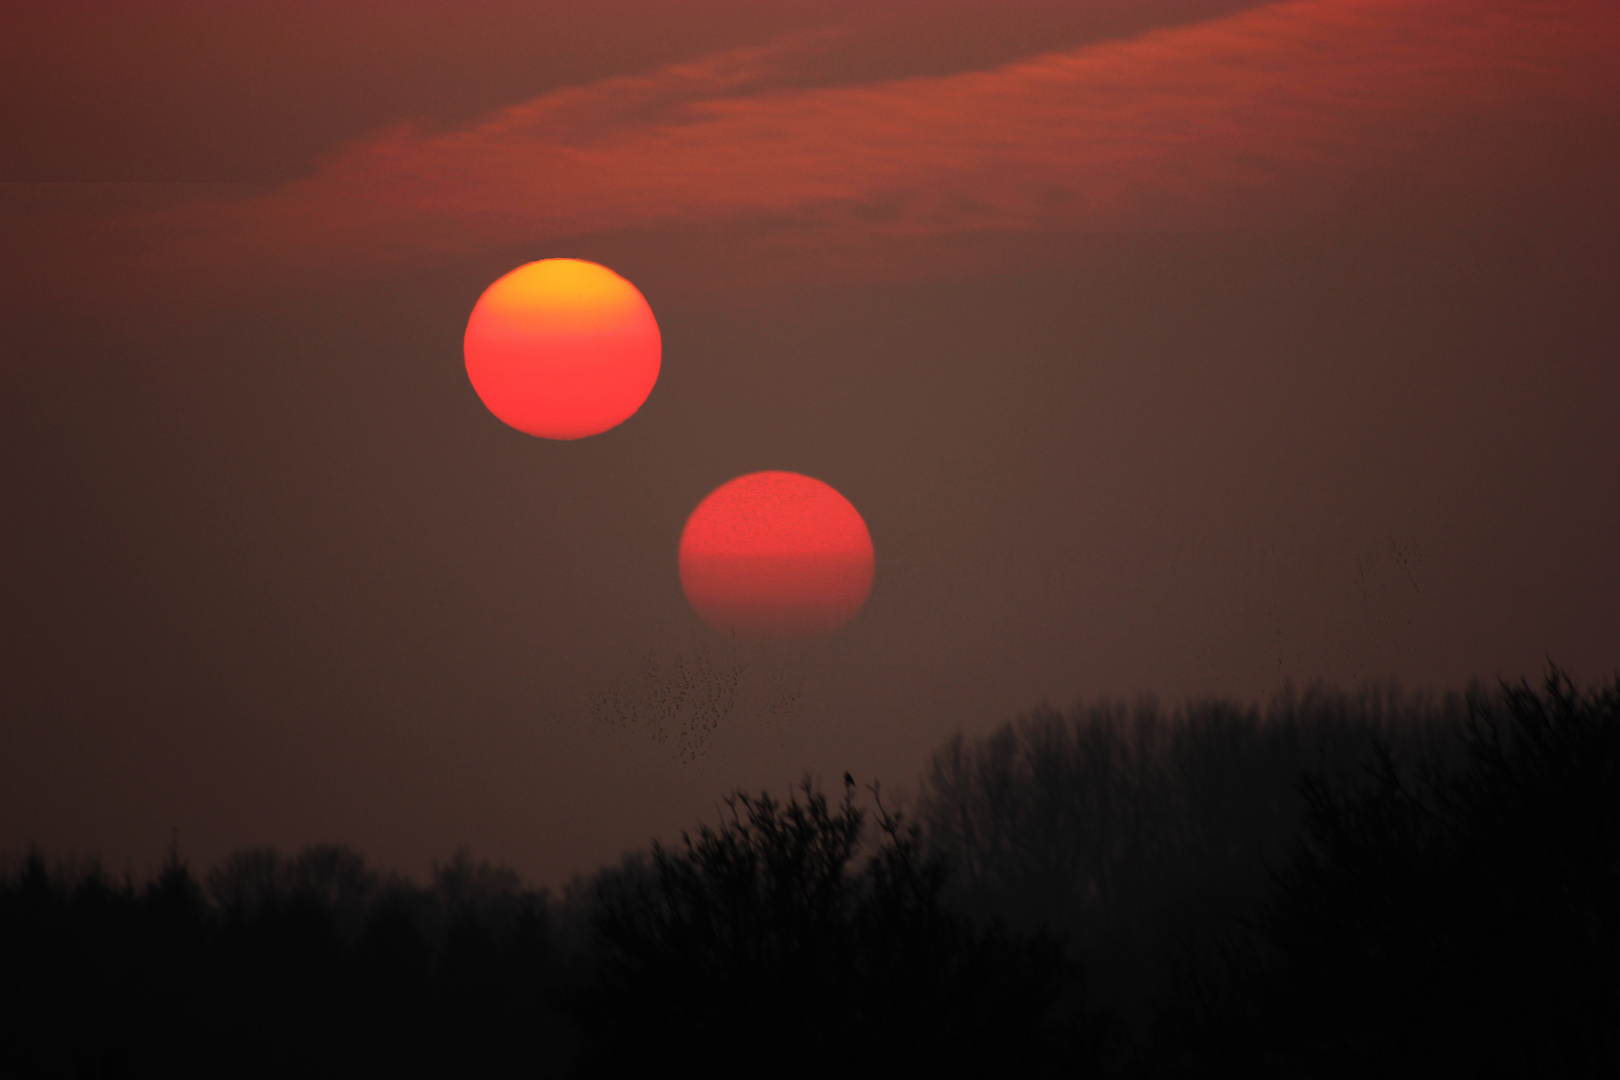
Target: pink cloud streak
1290	115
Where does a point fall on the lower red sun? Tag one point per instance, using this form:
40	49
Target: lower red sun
776	555
562	348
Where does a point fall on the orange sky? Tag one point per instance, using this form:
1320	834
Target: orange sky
1185	347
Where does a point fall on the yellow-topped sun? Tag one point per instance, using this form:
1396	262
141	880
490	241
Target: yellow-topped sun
562	348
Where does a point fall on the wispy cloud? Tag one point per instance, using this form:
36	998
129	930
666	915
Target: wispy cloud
1286	115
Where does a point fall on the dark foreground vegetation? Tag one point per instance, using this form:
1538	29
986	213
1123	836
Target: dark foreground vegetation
1336	885
310	966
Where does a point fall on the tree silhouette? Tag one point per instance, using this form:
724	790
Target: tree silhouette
1464	922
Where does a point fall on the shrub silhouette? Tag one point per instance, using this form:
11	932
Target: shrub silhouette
759	945
1465	921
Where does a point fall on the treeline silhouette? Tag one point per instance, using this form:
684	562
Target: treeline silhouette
275	966
1331	885
1129	827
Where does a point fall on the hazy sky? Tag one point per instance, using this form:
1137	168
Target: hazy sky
1174	348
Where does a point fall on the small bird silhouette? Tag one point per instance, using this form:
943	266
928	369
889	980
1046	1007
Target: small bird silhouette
849	781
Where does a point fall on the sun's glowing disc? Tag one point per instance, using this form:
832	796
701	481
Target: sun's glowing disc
562	348
776	555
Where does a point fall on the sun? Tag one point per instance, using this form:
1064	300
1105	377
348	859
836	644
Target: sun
562	348
776	555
